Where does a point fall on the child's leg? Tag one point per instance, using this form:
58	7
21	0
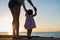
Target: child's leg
29	31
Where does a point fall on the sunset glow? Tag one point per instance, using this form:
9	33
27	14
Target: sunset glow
47	19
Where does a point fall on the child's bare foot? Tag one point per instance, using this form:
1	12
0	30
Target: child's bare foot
29	37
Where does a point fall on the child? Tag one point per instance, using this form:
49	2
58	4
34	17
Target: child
29	23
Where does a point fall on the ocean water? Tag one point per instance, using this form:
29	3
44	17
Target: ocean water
43	34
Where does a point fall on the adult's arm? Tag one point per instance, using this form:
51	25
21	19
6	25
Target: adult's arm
35	9
24	7
32	4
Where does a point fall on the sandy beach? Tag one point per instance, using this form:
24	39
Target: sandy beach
22	37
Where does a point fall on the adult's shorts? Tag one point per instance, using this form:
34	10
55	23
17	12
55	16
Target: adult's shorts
11	4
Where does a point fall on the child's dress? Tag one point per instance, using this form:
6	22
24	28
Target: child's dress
29	23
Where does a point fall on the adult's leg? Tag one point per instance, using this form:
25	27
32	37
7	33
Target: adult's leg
15	13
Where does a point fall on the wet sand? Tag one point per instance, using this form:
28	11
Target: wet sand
22	37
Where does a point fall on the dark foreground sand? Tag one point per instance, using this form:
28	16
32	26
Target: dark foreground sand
21	37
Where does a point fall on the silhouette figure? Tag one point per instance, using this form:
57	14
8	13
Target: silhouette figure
29	23
15	6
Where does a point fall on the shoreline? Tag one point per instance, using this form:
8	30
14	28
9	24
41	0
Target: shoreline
9	37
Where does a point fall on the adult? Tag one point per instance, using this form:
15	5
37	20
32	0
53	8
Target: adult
15	6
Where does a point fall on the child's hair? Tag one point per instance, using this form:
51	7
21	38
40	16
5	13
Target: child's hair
30	12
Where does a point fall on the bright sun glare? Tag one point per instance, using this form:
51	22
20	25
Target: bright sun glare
6	25
10	30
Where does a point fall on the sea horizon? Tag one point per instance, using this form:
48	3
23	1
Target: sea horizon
44	34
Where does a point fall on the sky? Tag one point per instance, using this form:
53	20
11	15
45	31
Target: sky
47	19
